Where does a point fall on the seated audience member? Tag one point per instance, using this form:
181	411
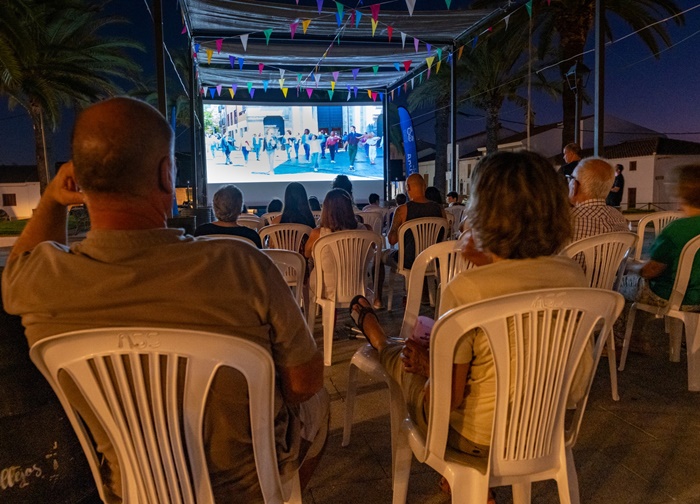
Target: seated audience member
433	194
373	205
453	199
228	202
296	206
337	215
401	199
314	204
518	222
417	207
275	205
343	182
132	270
589	185
651	282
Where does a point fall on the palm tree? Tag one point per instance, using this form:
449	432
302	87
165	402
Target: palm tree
568	23
52	56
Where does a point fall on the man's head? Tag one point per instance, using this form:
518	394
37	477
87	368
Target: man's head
374	199
452	197
572	152
618	169
591	179
400	199
342	182
123	147
415	187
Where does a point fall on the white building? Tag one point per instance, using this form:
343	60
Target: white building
19	190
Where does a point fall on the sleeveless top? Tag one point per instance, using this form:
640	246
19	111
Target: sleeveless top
418	211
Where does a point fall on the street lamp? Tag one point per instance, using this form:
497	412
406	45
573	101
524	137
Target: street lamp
577	78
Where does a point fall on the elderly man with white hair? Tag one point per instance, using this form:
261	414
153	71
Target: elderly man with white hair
589	185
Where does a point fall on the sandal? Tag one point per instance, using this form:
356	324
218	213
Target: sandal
358	315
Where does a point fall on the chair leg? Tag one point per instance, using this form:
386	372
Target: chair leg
567	483
674	328
390	294
692	343
349	404
328	328
469	490
401	462
613	366
628	335
311	314
522	493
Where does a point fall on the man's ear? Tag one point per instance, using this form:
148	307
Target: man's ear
166	175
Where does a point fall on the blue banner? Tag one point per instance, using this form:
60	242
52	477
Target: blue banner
409	141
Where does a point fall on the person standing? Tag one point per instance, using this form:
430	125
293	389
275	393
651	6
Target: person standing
270	148
615	196
256	146
297	143
353	140
332	143
226	149
288	144
572	155
314	144
322	139
305	142
372	143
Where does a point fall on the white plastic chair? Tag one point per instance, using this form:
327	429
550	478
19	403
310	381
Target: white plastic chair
284	236
457	211
268	217
660	220
292	265
250	221
351	253
373	219
158	437
550	330
691	320
366	358
233	237
604	257
426	232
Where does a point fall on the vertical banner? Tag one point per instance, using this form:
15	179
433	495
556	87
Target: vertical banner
409	141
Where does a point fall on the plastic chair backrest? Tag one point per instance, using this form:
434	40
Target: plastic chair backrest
373	219
267	217
660	220
292	265
351	252
233	237
604	255
148	388
537	339
687	260
449	257
451	224
250	221
284	236
425	231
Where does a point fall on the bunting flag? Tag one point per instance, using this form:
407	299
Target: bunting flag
319	4
309	91
281	81
358	16
299	76
437	67
407	65
338	19
415	43
305	25
333	85
317	77
340	8
448	2
410	4
413	82
234	88
403	40
232	60
420	78
218	90
184	30
250	86
252	93
528	7
231	92
293	28
209	55
212	92
355	91
196	48
244	41
285	90
507	19
439	53
374	9
260	68
459	52
352	18
203	91
375	69
476	39
330	94
265	84
374	25
399	90
405	86
219	43
267	33
355	71
392	95
429	60
369	93
282	70
374	93
428	48
449	57
348	98
389	32
240	63
335	75
397	66
381	96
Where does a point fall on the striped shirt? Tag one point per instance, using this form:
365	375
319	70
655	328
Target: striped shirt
593	217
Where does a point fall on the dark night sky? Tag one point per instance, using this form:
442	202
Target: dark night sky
661	94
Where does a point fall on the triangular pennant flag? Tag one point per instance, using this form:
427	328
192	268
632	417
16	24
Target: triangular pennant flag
413	82
375	69
549	3
459	52
340	8
439	53
265	84
410	4
374	9
389	32
429	60
448	2
449	57
358	16
476	39
282	70
319	4
403	40
397	66
293	28
330	94
240	63
212	91
218	90
244	41
381	96
210	52
528	7
260	67
284	91
399	90
232	60
305	25
252	93
420	78
405	86
355	91
281	81
437	66
184	30
369	93
234	87
267	33
299	78
231	92
415	43
317	77
355	71
348	98
507	19
219	43
309	91
202	91
250	86
407	65
333	85
196	48
374	25
338	19
428	48
374	93
335	75
392	95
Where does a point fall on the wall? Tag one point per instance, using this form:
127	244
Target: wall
27	199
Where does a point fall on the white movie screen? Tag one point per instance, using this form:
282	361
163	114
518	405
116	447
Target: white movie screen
277	143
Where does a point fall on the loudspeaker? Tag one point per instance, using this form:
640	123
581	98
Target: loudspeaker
396	170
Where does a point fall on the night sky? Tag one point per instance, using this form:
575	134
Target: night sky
660	94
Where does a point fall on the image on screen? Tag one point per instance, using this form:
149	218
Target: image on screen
276	143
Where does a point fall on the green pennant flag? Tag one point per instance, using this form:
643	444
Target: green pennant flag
340	8
267	33
448	2
439	53
250	86
330	94
375	68
528	6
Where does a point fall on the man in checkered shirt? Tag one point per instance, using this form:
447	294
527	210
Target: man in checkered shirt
589	185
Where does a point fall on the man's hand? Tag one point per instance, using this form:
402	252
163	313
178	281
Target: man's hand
63	189
416	358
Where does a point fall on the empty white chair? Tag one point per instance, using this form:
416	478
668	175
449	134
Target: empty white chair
284	236
691	320
250	221
532	335
659	220
604	257
292	265
426	232
158	438
270	217
373	219
347	255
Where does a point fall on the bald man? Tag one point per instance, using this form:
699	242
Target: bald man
589	185
132	271
417	207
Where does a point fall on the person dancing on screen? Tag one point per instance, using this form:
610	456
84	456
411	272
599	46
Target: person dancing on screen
270	147
353	140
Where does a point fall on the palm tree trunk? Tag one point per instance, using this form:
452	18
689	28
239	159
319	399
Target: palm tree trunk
492	127
42	161
569	113
442	134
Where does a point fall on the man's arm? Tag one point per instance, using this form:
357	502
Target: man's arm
300	383
49	220
399	218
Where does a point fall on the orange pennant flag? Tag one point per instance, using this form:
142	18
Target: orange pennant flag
459	52
209	55
305	24
369	93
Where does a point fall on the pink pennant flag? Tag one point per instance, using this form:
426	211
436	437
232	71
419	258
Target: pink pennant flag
218	90
184	30
219	43
260	67
319	3
335	75
407	65
374	93
293	28
244	41
389	32
352	19
374	8
309	91
405	86
415	43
